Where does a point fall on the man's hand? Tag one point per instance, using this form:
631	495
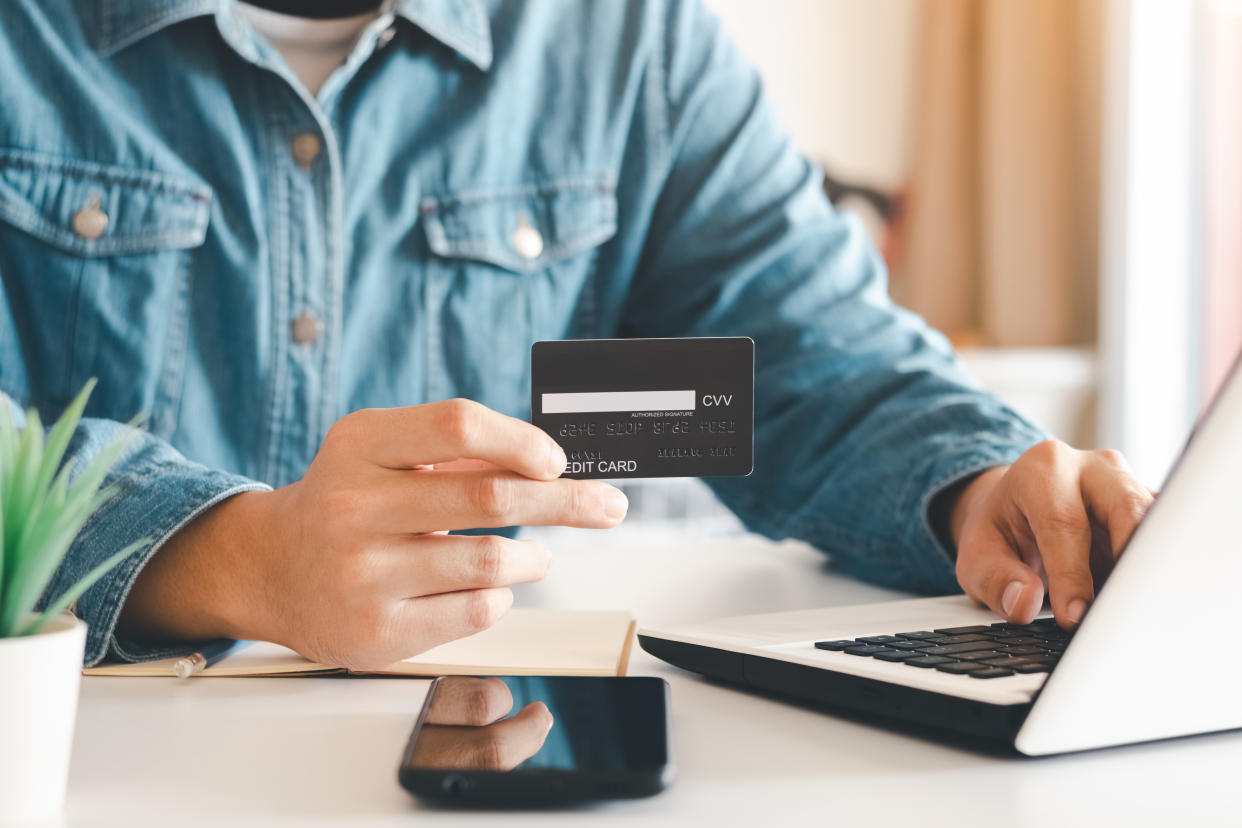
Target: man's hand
466	727
352	565
1055	520
499	746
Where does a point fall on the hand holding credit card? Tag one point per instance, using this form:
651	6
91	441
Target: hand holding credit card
647	407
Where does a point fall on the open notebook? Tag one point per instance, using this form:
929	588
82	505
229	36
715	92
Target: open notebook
524	642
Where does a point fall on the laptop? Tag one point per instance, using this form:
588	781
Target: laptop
1150	659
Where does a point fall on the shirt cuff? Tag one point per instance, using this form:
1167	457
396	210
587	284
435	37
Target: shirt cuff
154	505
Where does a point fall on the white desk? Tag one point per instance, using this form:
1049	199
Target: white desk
325	751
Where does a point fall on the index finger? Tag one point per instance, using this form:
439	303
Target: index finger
404	438
502	745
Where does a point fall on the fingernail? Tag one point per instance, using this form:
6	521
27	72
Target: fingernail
556	459
1011	597
1075	610
616	504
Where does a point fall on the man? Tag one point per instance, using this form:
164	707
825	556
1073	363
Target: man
276	235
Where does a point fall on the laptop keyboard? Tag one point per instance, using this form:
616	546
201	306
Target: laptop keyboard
981	652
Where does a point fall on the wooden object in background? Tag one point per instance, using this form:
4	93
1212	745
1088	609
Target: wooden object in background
1003	201
937	273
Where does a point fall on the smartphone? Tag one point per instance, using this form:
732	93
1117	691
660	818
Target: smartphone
538	740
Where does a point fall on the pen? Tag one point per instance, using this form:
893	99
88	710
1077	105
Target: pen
195	663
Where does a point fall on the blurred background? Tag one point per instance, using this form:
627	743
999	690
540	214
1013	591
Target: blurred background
1055	184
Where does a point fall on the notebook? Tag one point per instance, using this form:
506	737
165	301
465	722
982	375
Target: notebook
525	642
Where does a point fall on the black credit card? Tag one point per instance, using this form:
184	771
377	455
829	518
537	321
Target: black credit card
648	407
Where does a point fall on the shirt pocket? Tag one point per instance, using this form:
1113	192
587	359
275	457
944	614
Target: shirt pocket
95	263
510	267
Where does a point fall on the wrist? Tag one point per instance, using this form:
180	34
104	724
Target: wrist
202	583
232	542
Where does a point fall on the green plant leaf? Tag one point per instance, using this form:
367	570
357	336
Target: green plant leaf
4	558
50	531
8	454
9	451
47	537
42	510
60	435
26	469
74	592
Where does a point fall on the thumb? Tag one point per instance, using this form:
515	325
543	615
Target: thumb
519	737
991	572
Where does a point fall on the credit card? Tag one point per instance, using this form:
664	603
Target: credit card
648	407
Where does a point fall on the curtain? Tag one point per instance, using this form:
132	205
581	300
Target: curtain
1000	234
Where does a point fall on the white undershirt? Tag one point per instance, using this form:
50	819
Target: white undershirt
314	49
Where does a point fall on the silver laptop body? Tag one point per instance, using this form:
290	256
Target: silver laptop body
1146	662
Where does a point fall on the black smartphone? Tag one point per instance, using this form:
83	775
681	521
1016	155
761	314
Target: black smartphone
539	740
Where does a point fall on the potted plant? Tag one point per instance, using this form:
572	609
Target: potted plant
43	506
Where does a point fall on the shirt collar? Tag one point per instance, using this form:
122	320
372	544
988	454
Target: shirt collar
462	25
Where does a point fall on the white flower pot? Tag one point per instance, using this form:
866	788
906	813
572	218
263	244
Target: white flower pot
39	679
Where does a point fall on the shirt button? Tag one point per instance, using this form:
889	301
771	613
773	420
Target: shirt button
90	222
305	329
305	149
527	241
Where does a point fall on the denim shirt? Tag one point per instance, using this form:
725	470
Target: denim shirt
242	262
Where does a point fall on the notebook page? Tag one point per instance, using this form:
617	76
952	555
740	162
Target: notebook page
534	642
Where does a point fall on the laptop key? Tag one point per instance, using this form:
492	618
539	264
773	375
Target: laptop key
961	639
991	672
928	661
917	634
1033	667
839	644
967	647
869	649
1021	662
976	628
897	655
1035	628
877	639
961	667
1015	629
1003	661
1024	650
910	644
980	655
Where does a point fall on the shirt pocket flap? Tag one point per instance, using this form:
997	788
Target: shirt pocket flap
521	230
93	209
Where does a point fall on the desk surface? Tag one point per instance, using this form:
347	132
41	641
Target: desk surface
324	751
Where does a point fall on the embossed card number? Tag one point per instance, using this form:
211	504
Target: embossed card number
647	407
